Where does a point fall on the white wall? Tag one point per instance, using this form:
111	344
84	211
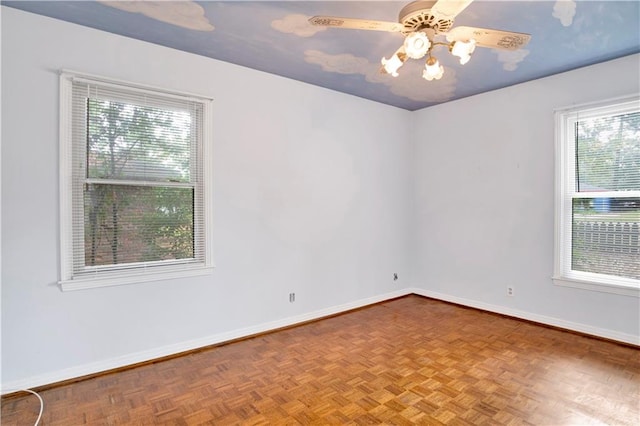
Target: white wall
484	203
312	196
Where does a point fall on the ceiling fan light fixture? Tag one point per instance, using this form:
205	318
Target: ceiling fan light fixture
463	50
416	45
422	23
432	69
391	65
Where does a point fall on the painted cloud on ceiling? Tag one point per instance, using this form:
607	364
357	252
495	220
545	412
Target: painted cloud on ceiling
511	58
564	10
185	14
296	24
409	84
343	63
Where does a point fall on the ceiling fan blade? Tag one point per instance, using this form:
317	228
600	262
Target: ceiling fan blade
355	24
493	39
449	9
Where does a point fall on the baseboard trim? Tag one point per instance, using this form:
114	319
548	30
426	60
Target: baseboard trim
151	355
541	319
190	345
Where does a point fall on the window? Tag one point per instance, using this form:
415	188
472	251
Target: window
598	197
135	186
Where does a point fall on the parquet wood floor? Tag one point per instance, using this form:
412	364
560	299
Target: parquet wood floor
407	361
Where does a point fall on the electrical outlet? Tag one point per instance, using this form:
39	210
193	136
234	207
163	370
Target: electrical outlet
292	297
395	276
510	291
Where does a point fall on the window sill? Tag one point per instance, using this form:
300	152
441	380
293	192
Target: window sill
622	289
83	283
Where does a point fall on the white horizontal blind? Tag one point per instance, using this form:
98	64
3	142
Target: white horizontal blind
137	179
603	194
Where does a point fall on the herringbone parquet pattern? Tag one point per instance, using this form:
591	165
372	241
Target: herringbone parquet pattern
408	361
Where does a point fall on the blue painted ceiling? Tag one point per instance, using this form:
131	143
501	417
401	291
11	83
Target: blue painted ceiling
275	37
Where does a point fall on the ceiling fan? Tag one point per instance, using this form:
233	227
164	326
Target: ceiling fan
421	22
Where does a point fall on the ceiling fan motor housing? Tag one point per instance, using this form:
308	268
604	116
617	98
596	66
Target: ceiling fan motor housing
417	16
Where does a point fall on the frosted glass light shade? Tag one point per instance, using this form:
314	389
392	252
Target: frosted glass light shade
463	50
433	70
416	45
391	65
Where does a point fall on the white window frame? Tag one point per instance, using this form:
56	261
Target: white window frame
565	138
140	272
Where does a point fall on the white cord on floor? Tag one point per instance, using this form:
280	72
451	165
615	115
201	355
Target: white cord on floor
39	398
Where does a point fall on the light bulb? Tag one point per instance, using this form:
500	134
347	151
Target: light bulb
391	65
463	50
432	69
416	45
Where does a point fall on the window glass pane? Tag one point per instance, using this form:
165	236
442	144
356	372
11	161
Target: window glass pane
608	153
126	224
132	142
606	236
